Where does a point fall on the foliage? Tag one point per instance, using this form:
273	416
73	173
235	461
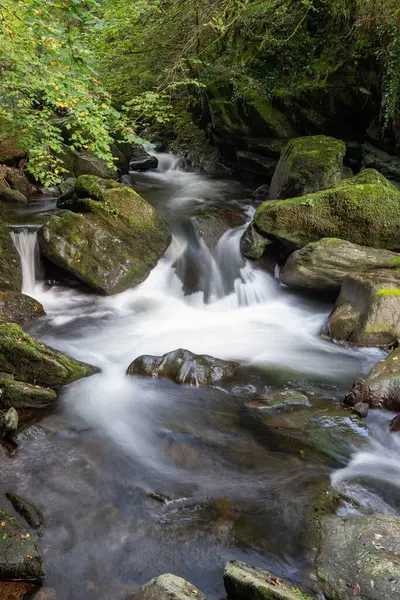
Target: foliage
46	73
247	47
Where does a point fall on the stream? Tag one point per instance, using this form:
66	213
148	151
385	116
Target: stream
100	463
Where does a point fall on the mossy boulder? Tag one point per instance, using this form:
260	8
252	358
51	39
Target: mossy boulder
19	554
11	196
364	210
244	582
19	308
321	266
22	395
183	366
381	388
10	264
358	556
307	165
67	189
367	311
112	244
167	587
31	361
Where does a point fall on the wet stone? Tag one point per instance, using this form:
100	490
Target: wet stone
19	555
168	587
361	409
32	515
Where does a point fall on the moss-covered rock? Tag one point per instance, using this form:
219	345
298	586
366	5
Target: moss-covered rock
19	554
10	264
244	582
19	308
359	557
321	266
167	587
367	311
363	210
182	366
20	395
31	361
114	245
381	388
11	196
307	165
67	189
8	421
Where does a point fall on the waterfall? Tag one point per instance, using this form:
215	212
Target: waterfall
25	241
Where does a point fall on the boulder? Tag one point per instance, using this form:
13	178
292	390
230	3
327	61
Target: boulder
253	243
167	587
182	366
24	395
31	361
11	196
8	421
321	266
244	582
16	180
387	164
142	161
85	163
358	556
32	515
19	308
307	165
19	554
367	311
10	264
381	388
67	189
363	210
112	244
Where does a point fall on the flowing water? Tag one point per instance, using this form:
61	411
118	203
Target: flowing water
97	464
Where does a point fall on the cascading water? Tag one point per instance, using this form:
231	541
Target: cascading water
113	439
25	241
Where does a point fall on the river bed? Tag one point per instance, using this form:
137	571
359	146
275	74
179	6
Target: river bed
138	477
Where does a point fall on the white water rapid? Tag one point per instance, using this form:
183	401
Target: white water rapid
238	312
25	241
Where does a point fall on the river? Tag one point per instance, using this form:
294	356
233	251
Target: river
101	462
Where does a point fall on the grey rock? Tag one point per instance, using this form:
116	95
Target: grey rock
367	311
322	265
167	587
359	557
32	515
361	409
183	366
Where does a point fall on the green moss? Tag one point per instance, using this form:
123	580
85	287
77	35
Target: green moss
388	292
363	213
18	394
30	360
94	187
275	119
395	262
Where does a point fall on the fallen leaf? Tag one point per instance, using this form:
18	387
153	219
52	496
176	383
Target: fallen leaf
378	536
356	590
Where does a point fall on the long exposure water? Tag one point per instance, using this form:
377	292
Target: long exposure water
97	463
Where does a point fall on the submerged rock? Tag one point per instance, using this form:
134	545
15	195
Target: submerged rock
167	587
10	264
307	165
381	388
244	582
363	210
367	311
32	515
19	308
322	265
30	360
183	366
359	557
19	555
113	245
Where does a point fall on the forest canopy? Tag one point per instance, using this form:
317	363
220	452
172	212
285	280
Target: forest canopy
101	67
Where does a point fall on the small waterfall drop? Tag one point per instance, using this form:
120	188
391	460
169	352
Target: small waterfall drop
25	241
